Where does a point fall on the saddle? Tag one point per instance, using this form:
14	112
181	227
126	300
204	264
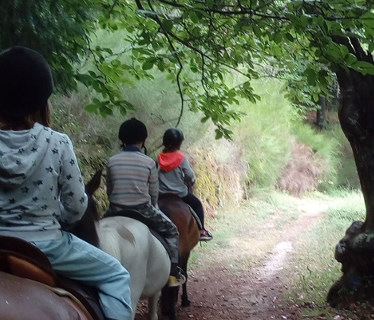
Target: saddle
20	258
133	214
192	211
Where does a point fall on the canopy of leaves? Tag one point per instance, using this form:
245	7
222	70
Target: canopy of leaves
58	29
197	44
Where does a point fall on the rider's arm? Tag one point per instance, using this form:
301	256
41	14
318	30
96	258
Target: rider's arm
108	180
73	198
189	174
153	185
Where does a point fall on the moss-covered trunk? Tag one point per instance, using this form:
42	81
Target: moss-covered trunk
356	250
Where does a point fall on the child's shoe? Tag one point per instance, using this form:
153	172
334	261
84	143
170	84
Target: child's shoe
205	235
176	279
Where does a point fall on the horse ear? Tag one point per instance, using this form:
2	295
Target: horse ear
94	183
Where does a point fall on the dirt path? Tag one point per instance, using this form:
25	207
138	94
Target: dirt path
219	293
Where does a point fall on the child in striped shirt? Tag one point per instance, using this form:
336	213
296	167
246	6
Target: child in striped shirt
132	184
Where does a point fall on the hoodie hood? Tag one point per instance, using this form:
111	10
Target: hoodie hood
170	160
20	153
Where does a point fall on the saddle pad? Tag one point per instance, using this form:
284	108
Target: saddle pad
192	211
72	300
133	214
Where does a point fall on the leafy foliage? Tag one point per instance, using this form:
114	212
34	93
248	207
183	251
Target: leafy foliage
59	31
197	44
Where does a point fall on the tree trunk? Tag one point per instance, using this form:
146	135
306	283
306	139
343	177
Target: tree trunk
356	116
321	113
356	250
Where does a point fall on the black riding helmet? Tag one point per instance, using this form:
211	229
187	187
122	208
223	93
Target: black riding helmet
25	82
132	131
173	138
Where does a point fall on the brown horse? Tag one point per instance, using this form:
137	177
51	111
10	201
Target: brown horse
25	299
189	234
31	290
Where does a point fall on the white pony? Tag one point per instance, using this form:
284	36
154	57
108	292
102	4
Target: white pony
146	259
131	242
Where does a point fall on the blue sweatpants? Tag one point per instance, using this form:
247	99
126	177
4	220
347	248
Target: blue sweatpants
79	260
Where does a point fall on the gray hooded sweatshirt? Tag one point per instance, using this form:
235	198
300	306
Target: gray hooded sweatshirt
40	183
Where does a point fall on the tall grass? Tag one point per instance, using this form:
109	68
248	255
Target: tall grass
264	134
346	170
326	145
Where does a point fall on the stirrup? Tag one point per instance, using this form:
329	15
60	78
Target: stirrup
205	236
176	281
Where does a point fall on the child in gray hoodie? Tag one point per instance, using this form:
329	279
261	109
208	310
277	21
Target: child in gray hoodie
41	184
176	175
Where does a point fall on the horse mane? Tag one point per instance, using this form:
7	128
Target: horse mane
94	183
168	195
85	228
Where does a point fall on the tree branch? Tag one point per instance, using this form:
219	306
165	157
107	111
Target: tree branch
174	52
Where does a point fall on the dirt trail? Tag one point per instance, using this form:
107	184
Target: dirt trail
218	293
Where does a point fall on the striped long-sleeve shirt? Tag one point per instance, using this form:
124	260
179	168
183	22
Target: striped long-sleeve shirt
132	179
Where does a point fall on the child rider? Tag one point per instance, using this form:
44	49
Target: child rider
41	184
176	175
132	183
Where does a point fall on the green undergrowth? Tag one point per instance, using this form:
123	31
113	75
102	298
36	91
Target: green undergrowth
228	171
256	157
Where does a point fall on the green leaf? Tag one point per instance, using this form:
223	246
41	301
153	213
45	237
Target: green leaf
311	76
350	59
92	107
193	16
277	37
364	67
148	64
289	37
315	97
167	25
219	134
334	52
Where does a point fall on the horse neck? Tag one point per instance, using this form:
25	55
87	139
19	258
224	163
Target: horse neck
85	228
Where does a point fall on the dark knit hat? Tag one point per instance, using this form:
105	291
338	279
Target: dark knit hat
132	131
25	82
